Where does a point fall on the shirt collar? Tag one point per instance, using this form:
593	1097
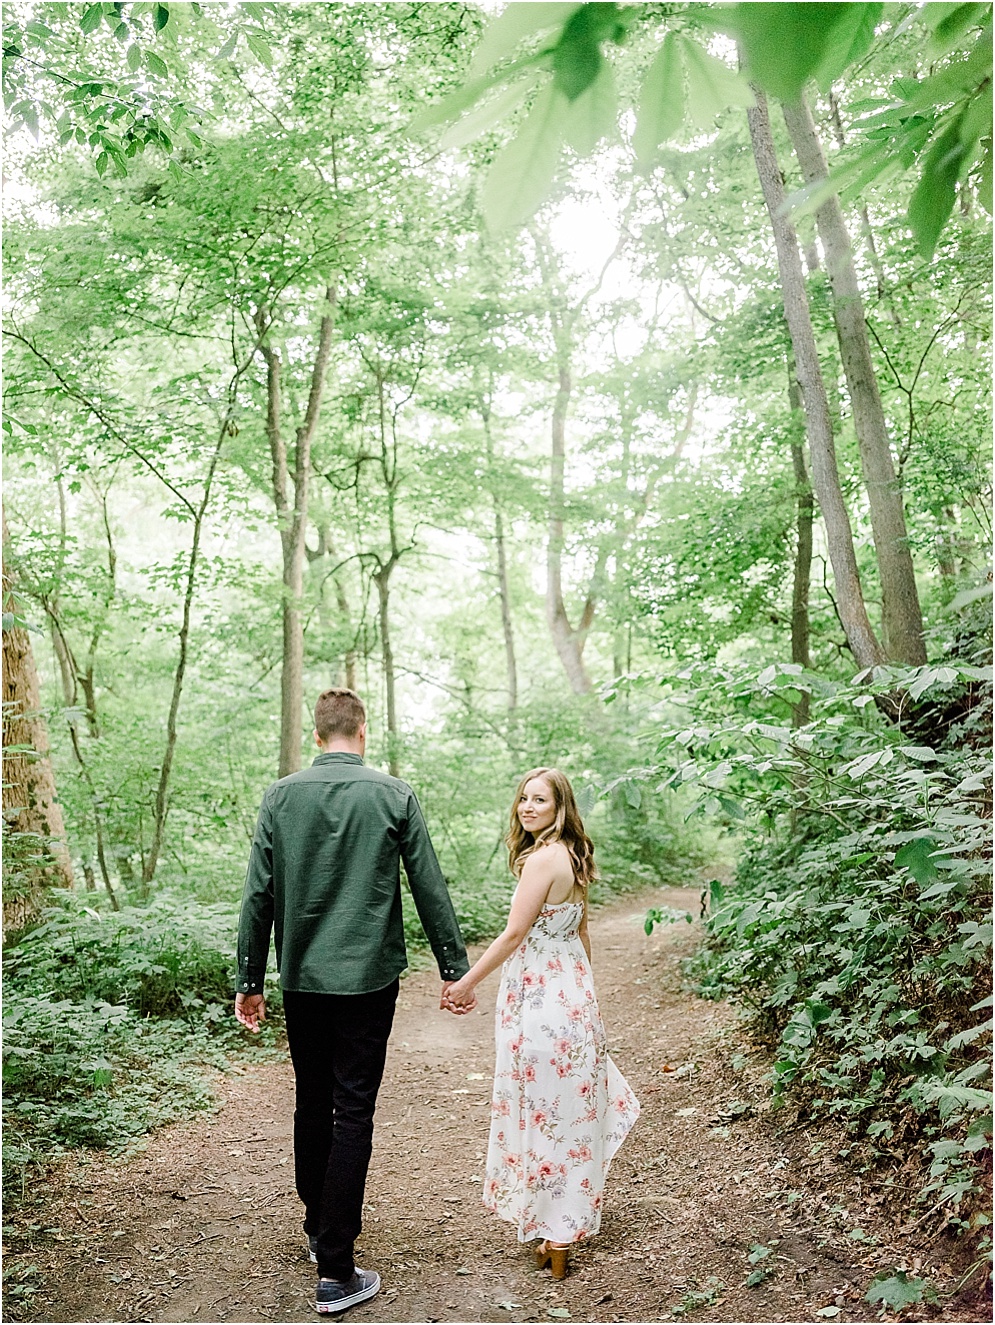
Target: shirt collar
336	757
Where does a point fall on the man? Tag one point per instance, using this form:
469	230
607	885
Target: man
323	874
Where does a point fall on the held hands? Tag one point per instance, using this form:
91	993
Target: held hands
458	997
250	1010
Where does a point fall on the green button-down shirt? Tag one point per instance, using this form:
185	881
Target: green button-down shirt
323	875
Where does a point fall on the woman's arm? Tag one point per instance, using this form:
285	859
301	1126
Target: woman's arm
537	878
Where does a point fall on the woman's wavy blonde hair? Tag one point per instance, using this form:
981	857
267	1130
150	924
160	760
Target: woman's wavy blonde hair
567	827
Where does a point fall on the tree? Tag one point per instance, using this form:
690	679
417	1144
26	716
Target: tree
901	613
825	473
32	816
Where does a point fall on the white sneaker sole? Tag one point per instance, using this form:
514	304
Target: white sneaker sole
343	1303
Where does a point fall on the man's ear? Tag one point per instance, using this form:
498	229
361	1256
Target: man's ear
317	740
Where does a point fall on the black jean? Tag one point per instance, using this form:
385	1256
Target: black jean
338	1044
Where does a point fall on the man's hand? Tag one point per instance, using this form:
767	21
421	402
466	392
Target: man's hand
458	997
250	1010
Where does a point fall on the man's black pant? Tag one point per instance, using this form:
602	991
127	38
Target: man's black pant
338	1043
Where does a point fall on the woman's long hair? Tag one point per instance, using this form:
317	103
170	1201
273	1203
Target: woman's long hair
567	828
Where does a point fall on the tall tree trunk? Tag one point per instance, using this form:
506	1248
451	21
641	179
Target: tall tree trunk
382	580
326	548
30	804
822	449
150	861
291	489
900	610
504	592
803	544
866	229
569	641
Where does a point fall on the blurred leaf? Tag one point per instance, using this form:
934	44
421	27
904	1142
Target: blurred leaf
784	44
512	26
489	113
661	100
852	39
593	115
712	86
521	175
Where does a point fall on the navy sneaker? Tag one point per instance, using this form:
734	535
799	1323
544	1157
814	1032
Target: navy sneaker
331	1296
312	1248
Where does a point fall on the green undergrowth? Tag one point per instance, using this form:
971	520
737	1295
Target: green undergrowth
857	933
112	1025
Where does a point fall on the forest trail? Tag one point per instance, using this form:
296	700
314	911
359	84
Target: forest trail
707	1191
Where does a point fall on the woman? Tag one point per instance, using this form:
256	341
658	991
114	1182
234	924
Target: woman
560	1108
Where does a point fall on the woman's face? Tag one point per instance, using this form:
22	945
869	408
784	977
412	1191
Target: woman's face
536	806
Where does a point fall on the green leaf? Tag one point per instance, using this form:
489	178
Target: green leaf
102	162
488	113
91	18
155	64
896	1291
260	48
464	97
122	32
712	86
933	200
985	198
593	115
228	49
948	27
852	38
633	794
517	22
577	58
160	16
784	44
521	174
661	101
134	56
915	857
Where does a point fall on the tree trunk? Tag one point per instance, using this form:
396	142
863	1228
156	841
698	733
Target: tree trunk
382	580
150	862
504	593
30	804
569	642
822	450
291	510
803	545
901	613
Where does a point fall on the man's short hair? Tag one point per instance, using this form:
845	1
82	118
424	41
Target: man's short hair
338	712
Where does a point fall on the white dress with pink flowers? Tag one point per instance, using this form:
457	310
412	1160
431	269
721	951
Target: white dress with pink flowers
561	1108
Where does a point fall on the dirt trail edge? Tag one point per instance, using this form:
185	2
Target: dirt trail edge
715	1211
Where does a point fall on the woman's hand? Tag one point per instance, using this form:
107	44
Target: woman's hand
459	997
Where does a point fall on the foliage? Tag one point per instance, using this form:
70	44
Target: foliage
943	120
857	933
110	1024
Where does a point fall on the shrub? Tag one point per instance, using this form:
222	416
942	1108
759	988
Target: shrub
857	932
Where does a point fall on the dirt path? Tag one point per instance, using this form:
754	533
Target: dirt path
706	1193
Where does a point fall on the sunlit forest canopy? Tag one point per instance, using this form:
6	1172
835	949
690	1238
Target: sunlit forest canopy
601	386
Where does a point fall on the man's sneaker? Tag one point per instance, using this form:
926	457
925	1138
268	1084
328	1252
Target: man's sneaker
312	1248
332	1296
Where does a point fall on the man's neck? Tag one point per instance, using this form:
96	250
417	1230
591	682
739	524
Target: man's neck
342	748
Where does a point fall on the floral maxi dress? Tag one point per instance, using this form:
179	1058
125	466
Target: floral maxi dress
561	1108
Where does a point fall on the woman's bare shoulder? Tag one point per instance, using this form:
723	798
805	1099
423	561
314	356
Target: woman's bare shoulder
552	857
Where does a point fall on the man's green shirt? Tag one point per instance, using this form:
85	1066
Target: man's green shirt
324	876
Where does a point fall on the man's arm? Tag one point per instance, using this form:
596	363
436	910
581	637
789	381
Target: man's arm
256	917
430	894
